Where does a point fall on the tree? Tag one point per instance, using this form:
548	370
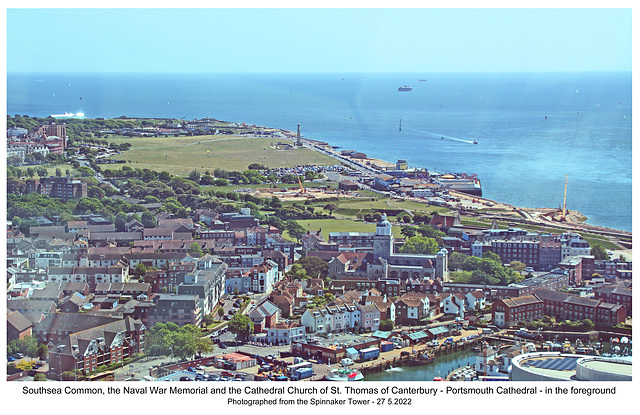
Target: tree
14	161
297	272
120	221
16	221
330	207
599	252
96	192
220	312
275	202
429	232
296	231
203	345
140	270
408	231
517	266
241	326
194	175
588	324
71	375
386	325
195	250
314	266
148	220
43	351
39	377
58	172
456	260
420	245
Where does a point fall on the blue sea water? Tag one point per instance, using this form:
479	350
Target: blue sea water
532	128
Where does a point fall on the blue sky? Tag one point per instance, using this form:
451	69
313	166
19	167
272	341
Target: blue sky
318	40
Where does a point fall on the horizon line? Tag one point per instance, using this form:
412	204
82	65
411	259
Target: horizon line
315	73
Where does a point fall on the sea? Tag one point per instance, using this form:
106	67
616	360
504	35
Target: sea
532	129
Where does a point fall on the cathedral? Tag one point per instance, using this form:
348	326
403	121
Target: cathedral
387	264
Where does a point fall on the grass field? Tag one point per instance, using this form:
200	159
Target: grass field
51	170
341	225
349	208
180	155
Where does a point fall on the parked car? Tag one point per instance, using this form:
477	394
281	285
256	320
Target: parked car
346	362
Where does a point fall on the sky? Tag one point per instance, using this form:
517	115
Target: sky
318	40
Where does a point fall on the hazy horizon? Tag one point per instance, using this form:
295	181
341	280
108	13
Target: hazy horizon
318	40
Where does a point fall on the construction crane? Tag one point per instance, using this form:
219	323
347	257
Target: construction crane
302	189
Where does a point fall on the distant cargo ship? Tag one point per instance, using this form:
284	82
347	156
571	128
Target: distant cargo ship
68	115
405	88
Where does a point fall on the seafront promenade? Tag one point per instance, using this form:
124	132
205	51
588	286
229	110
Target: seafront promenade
469	203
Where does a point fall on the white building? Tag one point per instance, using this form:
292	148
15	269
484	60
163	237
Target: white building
455	304
574	245
283	333
475	299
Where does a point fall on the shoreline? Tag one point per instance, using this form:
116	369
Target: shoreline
577	221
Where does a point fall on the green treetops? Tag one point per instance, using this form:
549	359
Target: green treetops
241	326
420	245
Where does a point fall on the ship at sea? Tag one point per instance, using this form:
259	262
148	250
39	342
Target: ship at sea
68	115
460	182
405	88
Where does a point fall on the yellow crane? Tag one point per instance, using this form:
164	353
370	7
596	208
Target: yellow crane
302	189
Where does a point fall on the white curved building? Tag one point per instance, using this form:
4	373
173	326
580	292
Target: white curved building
554	366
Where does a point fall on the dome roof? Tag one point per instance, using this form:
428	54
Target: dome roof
383	221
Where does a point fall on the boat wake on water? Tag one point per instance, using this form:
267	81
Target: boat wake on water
446	137
394	369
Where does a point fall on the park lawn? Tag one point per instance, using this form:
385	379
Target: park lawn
349	208
181	155
51	169
340	225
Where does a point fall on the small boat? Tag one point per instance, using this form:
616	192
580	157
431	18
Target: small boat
346	375
475	141
405	89
438	379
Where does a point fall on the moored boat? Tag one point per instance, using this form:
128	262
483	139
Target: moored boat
346	375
